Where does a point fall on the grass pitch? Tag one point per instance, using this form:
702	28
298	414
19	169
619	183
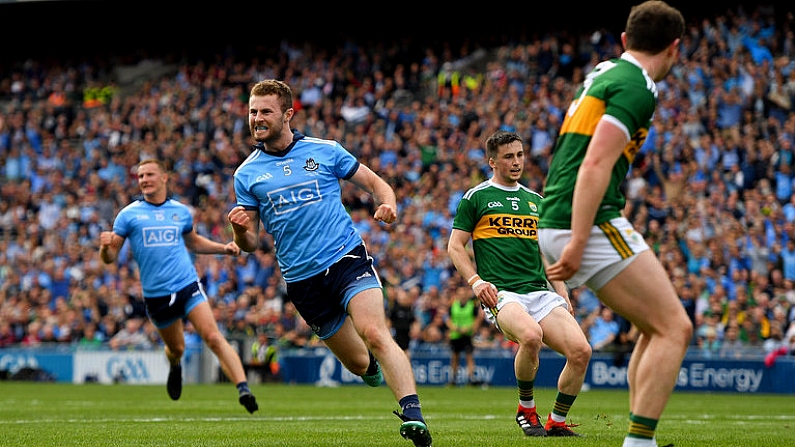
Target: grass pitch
65	415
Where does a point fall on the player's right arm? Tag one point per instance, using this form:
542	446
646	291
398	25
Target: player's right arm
245	225
109	245
457	250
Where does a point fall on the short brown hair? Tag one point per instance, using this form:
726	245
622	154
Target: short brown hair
274	87
500	138
652	26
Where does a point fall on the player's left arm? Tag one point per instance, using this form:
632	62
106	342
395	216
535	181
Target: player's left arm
383	194
109	245
201	245
593	178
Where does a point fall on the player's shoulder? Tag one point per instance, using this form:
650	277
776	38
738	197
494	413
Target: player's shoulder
136	204
530	192
629	72
479	188
252	158
320	150
308	141
132	212
172	202
616	73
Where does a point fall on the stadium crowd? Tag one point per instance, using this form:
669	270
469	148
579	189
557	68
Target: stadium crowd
713	189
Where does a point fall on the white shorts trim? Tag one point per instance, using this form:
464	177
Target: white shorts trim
611	247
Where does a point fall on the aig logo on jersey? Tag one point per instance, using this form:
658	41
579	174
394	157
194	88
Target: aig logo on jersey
291	198
160	236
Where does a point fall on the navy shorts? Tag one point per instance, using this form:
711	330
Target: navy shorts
322	300
165	310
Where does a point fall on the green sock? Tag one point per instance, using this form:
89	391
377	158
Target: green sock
562	406
641	427
526	392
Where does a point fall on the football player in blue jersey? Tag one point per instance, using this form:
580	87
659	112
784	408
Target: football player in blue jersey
291	185
160	232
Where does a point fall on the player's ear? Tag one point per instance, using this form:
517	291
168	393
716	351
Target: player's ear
675	47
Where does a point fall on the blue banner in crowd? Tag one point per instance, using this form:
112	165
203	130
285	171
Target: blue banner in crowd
752	376
319	366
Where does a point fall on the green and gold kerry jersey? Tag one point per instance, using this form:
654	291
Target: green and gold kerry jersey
504	226
621	90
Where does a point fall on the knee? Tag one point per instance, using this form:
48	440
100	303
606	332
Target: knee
356	363
177	350
376	338
685	328
677	330
580	356
359	365
214	341
530	339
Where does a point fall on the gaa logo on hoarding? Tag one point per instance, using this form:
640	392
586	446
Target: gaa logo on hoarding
127	369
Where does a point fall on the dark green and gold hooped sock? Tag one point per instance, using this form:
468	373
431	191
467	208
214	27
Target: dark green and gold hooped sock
641	427
562	406
526	398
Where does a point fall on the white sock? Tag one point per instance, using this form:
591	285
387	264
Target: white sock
529	404
638	442
557	418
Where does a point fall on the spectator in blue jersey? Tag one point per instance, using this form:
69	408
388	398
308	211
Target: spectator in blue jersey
602	328
291	183
160	232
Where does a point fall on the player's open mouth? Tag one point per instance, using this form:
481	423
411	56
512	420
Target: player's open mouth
263	128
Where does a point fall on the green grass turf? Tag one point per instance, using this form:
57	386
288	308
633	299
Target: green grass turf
65	415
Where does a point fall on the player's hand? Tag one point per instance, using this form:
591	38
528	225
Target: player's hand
232	249
385	213
570	305
567	265
105	238
239	219
486	292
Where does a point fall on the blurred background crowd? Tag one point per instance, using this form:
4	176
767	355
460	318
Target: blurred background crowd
713	189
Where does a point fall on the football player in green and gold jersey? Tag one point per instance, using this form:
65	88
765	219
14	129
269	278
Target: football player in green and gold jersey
500	216
582	231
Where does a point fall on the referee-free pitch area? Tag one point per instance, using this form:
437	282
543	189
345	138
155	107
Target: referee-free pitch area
66	415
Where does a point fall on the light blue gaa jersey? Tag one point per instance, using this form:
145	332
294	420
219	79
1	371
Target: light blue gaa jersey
154	233
298	194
